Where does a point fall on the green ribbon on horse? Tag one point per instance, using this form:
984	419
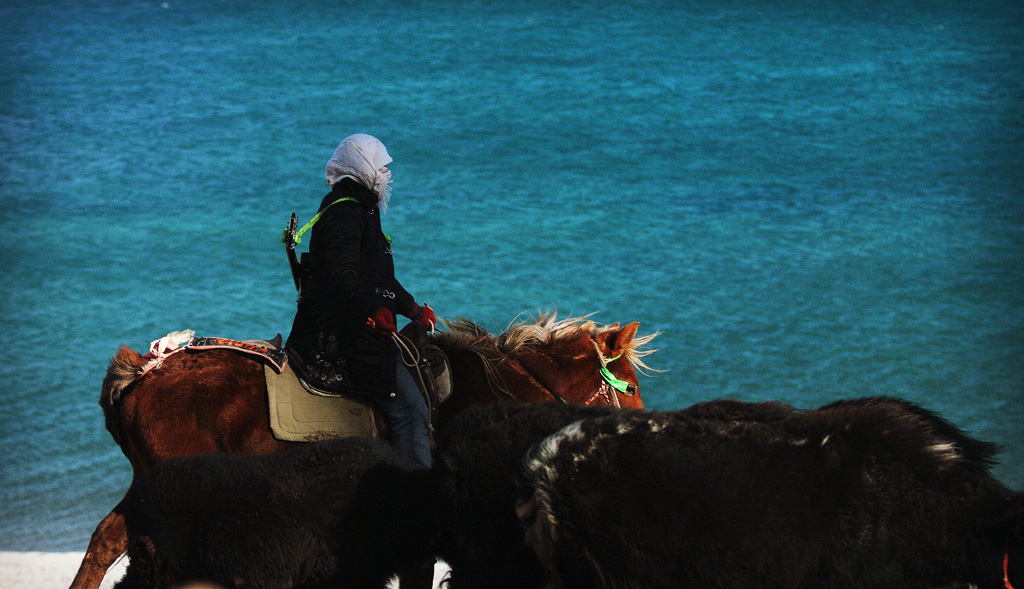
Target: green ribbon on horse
617	384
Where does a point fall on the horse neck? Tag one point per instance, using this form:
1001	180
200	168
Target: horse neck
470	384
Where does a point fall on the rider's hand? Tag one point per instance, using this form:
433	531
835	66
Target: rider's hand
424	315
429	320
383	321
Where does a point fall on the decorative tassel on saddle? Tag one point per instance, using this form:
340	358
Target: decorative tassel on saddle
160	349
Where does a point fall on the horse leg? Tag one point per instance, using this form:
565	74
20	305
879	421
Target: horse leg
108	542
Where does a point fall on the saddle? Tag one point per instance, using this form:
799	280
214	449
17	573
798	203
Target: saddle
428	366
311	408
301	410
427	363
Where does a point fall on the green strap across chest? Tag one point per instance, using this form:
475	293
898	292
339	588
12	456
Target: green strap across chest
316	217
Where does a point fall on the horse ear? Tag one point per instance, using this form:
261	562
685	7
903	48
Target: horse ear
616	341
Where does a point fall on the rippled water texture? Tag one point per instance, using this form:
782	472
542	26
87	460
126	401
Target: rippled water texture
809	201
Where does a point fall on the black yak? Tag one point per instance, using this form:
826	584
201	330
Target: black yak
480	453
863	493
338	513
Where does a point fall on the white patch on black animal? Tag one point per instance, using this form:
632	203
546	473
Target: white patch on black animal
539	465
945	451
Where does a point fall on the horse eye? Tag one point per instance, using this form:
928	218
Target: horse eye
631	389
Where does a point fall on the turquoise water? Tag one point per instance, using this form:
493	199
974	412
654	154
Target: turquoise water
809	201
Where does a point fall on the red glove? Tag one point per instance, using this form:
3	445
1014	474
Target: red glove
383	321
424	315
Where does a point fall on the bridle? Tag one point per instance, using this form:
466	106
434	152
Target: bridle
605	390
609	383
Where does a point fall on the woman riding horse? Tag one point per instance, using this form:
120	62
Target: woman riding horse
341	339
216	400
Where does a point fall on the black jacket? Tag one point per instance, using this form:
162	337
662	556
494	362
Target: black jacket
352	275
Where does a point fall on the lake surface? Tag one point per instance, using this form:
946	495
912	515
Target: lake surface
808	200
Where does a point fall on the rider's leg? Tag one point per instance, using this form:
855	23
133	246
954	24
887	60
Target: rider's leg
409	417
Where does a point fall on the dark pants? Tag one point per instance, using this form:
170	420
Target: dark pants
409	418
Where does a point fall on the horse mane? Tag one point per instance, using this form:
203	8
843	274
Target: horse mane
538	336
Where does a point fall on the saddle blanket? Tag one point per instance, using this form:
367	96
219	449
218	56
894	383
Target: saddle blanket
297	413
270	352
178	341
300	415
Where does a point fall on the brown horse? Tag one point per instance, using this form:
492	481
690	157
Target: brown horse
216	400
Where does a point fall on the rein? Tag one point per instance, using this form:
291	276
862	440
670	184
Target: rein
406	348
539	384
608	384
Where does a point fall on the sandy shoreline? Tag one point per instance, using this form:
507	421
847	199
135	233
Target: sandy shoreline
55	570
47	570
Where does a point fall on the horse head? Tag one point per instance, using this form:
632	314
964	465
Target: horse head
571	360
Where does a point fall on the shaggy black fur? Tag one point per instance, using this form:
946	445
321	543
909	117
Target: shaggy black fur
862	493
338	513
480	455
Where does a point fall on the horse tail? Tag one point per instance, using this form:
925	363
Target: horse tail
121	374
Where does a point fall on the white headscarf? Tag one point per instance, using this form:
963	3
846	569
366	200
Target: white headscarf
361	157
